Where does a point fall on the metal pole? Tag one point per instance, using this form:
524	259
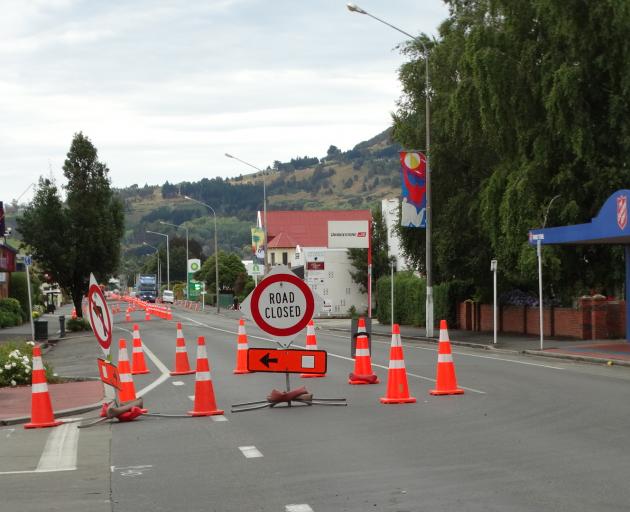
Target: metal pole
369	270
216	260
187	279
494	286
540	288
392	294
168	265
627	253
30	302
265	218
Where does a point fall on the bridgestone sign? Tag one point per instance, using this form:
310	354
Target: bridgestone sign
348	234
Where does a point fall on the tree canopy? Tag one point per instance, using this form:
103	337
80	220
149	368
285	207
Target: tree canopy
529	102
82	235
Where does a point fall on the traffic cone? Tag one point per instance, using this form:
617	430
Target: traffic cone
41	409
446	382
311	344
127	391
138	364
241	350
73	315
169	314
182	366
205	403
128	315
397	387
362	361
147	315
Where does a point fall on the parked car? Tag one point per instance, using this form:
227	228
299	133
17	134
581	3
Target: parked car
168	296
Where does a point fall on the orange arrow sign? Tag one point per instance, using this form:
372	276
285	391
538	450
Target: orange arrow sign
286	361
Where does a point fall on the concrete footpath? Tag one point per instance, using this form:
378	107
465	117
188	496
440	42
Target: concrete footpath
74	357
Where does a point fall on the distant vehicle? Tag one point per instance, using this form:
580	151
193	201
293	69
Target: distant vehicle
168	296
146	287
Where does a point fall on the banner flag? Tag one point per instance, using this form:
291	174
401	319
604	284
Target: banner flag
413	167
258	245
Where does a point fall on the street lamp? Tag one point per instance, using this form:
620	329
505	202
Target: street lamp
429	304
182	226
264	201
216	247
157	254
168	262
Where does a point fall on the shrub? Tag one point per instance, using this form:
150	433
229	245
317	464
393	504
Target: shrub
9	319
78	324
16	363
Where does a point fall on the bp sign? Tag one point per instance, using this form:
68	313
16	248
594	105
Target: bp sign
281	305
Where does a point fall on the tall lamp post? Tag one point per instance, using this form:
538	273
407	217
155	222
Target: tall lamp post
157	254
264	201
168	262
216	247
429	304
182	226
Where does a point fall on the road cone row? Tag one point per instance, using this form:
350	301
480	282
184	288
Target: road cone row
241	349
311	344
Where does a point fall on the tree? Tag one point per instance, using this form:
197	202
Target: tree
380	261
524	106
232	273
83	235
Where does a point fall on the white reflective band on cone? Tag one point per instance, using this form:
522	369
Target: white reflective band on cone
201	352
125	377
122	356
39	388
362	352
203	376
396	340
242	346
37	363
179	333
396	364
443	335
180	349
137	349
445	358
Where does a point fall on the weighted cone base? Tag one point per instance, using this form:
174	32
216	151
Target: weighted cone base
312	375
410	400
440	392
240	372
43	425
139	372
182	373
216	412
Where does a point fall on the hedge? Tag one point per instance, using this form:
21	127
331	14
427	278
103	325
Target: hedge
410	299
10	313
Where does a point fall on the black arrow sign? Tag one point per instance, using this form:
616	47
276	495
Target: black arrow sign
266	360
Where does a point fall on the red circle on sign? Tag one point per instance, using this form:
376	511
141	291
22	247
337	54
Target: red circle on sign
286	331
106	321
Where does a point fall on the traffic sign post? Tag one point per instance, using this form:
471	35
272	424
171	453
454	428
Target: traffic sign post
282	305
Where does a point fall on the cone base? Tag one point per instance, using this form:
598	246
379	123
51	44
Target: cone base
410	400
43	425
216	412
240	372
188	372
362	382
312	375
139	372
440	392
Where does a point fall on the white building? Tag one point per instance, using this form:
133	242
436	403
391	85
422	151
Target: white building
390	208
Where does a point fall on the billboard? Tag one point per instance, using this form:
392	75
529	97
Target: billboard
348	234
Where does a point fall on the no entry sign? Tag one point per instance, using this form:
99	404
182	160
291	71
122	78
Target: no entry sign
99	315
281	305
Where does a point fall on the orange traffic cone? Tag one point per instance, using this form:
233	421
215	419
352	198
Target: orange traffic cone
311	344
41	409
362	361
397	387
169	314
138	364
147	315
205	403
242	347
128	315
445	380
73	315
182	366
127	391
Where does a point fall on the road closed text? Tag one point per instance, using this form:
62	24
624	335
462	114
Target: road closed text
282	305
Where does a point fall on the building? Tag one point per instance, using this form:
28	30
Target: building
7	266
390	208
299	240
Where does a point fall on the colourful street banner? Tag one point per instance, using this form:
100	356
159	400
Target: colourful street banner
258	245
413	167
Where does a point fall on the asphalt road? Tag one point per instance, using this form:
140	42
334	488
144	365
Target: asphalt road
528	434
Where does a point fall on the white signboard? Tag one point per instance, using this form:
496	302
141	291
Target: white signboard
348	234
194	265
281	305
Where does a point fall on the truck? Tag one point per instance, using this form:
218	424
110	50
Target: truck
146	287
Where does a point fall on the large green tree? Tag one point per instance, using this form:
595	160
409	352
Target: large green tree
82	235
529	103
232	273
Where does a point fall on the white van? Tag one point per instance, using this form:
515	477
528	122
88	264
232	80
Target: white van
168	296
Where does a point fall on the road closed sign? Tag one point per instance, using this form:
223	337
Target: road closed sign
281	305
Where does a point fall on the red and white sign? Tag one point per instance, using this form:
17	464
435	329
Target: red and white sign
286	361
348	234
99	315
109	373
281	305
622	211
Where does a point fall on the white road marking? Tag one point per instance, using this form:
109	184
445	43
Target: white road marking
218	418
330	354
298	508
250	452
9	430
131	470
192	397
178	383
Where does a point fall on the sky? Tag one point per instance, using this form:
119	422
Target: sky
164	89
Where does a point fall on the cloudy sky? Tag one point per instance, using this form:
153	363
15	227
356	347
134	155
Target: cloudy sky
165	88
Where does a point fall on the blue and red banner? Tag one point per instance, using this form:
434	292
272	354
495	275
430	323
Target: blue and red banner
413	167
